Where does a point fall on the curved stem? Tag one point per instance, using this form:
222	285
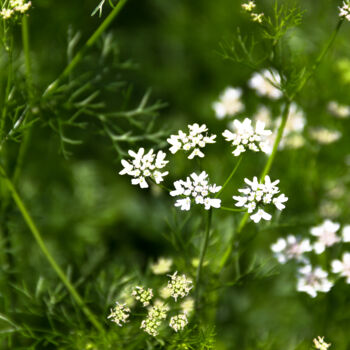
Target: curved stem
230	176
91	41
36	234
202	255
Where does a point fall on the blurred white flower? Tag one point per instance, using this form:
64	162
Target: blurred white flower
291	248
196	187
193	141
246	137
260	194
263	115
178	322
6	13
119	314
165	292
144	166
179	286
249	6
346	233
338	110
320	344
324	136
326	235
312	281
344	11
257	17
142	295
342	266
229	103
266	83
187	306
162	266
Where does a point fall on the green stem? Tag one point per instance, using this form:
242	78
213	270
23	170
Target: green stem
202	255
233	209
25	40
91	41
230	176
36	234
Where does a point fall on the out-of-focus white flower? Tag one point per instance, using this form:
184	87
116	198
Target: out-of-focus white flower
178	322
162	266
6	13
15	7
257	17
266	83
119	314
320	344
196	187
263	115
246	137
229	103
291	248
324	136
338	110
326	235
312	281
249	6
194	141
344	11
187	306
346	233
179	286
260	194
145	166
165	292
142	295
342	267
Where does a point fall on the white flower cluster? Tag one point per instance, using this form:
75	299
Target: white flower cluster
320	344
154	319
326	234
194	140
266	83
344	11
229	103
260	194
179	286
324	136
178	322
162	266
119	313
145	166
246	137
142	295
249	7
197	188
342	267
338	110
15	7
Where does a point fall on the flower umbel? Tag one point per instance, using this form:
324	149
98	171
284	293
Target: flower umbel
179	286
344	11
119	314
142	295
320	344
249	6
326	235
246	137
15	7
178	322
257	195
162	266
266	83
145	166
196	187
229	103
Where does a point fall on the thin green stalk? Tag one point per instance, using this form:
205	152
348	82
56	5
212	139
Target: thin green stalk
202	255
36	234
230	176
25	40
91	41
233	209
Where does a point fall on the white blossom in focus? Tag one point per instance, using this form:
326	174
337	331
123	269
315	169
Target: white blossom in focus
326	235
143	166
162	266
178	322
142	295
313	280
229	103
257	195
342	267
346	233
291	248
119	314
266	83
194	141
196	187
324	136
344	11
179	286
246	137
320	344
338	110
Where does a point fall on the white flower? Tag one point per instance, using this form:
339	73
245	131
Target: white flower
266	83
187	306
193	141
257	17
342	267
324	136
119	314
6	13
346	233
260	194
144	166
291	248
229	103
344	11
178	322
246	137
338	110
326	235
179	286
320	344
142	295
162	266
249	6
312	281
195	187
